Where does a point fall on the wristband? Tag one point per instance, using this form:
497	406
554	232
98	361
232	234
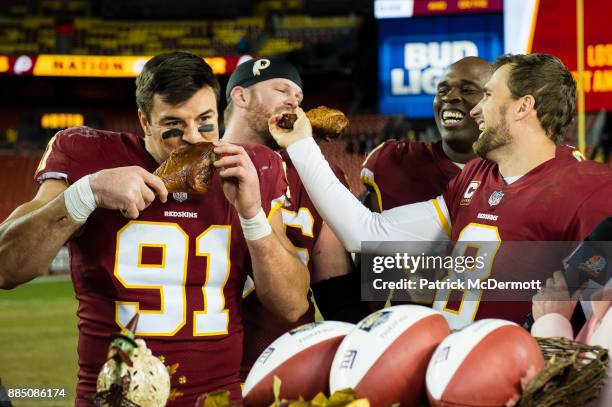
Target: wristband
256	227
79	199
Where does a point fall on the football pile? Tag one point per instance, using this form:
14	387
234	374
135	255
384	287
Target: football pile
403	355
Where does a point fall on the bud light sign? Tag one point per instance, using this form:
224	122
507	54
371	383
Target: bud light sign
410	66
424	64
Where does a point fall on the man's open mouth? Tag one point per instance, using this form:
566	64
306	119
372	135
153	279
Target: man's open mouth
452	118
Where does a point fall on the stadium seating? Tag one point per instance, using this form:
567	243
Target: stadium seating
19	187
95	36
335	151
116	121
13	8
64	7
294	31
30	35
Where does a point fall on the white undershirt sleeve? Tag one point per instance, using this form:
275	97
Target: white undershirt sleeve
352	222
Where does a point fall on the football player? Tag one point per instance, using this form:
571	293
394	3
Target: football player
178	260
404	172
524	186
258	89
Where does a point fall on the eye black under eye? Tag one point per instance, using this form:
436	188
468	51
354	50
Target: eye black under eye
205	128
172	133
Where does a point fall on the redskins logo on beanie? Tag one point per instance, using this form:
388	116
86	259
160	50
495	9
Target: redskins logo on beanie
261	69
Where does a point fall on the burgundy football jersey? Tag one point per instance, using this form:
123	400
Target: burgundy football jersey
181	265
302	225
562	199
405	172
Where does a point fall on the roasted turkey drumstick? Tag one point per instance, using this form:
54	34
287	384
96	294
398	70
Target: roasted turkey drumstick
189	168
326	122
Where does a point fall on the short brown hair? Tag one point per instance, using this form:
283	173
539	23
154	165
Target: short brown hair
176	76
551	84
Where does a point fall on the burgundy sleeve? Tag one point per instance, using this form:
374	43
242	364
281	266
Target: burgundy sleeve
379	154
272	177
55	162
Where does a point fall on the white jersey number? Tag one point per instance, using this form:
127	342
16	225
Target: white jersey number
474	240
303	220
169	277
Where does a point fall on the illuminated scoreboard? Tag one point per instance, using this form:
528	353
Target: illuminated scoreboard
419	8
61	120
101	66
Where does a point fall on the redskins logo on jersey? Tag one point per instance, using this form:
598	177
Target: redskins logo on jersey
469	193
495	198
180	196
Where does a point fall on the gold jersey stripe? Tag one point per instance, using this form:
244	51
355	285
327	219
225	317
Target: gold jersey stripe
43	160
372	153
443	219
370	181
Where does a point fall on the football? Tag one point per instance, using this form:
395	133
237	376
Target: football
385	357
301	358
482	365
